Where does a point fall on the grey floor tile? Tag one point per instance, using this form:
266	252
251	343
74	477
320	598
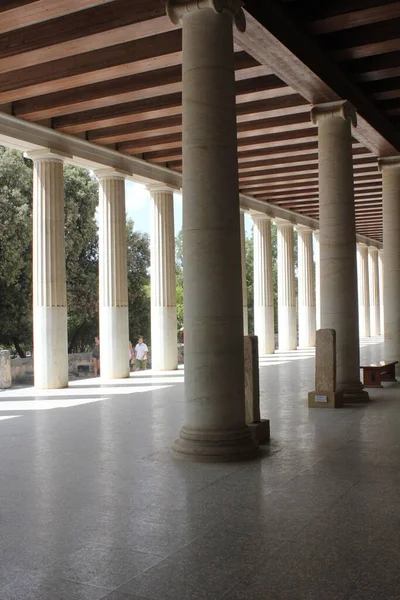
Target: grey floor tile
93	505
103	566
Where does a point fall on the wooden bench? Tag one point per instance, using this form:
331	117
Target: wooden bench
374	374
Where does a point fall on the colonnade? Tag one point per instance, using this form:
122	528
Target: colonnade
216	309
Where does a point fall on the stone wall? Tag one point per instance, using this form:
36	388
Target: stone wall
79	365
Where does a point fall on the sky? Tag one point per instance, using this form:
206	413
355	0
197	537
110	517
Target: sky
138	208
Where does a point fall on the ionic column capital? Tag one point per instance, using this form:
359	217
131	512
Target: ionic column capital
373	250
47	154
303	228
389	162
283	223
176	9
111	174
160	187
327	110
260	217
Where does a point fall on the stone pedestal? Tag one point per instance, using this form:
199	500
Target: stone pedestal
244	274
337	241
258	427
50	343
263	285
363	291
5	369
164	355
113	280
287	330
325	394
306	287
374	291
390	168
215	428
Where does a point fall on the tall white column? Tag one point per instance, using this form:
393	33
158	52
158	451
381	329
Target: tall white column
263	285
390	168
317	282
287	332
381	302
364	319
244	274
306	287
49	283
164	349
337	239
374	291
113	280
213	311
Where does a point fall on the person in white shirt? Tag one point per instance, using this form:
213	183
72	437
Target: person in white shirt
141	351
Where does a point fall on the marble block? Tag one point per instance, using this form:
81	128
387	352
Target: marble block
325	394
5	369
258	427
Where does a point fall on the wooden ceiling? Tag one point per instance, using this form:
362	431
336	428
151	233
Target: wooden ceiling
110	71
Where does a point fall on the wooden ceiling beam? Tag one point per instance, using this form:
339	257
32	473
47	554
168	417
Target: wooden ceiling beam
28	12
92	29
132	131
101	65
137	87
369	40
352	19
132	111
273	38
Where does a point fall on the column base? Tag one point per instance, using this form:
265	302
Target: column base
260	431
325	400
215	446
354	394
355	397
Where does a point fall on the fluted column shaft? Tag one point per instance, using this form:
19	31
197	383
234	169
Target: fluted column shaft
363	291
337	240
244	274
374	291
263	285
381	300
317	282
287	332
213	308
164	351
49	281
391	265
306	287
113	281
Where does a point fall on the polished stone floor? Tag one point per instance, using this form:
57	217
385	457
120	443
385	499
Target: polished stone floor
92	505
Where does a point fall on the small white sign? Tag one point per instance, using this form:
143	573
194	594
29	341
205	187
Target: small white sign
321	398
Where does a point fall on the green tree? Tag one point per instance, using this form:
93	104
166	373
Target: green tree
138	247
81	253
179	278
15	250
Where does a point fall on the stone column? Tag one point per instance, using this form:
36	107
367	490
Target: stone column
374	291
263	285
364	320
306	287
337	239
49	285
317	282
381	302
113	281
164	349
287	332
390	168
244	273
215	426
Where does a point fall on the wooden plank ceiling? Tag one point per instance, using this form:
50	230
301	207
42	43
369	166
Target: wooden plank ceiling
110	71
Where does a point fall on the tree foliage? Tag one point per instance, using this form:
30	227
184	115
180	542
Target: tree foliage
81	247
179	278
